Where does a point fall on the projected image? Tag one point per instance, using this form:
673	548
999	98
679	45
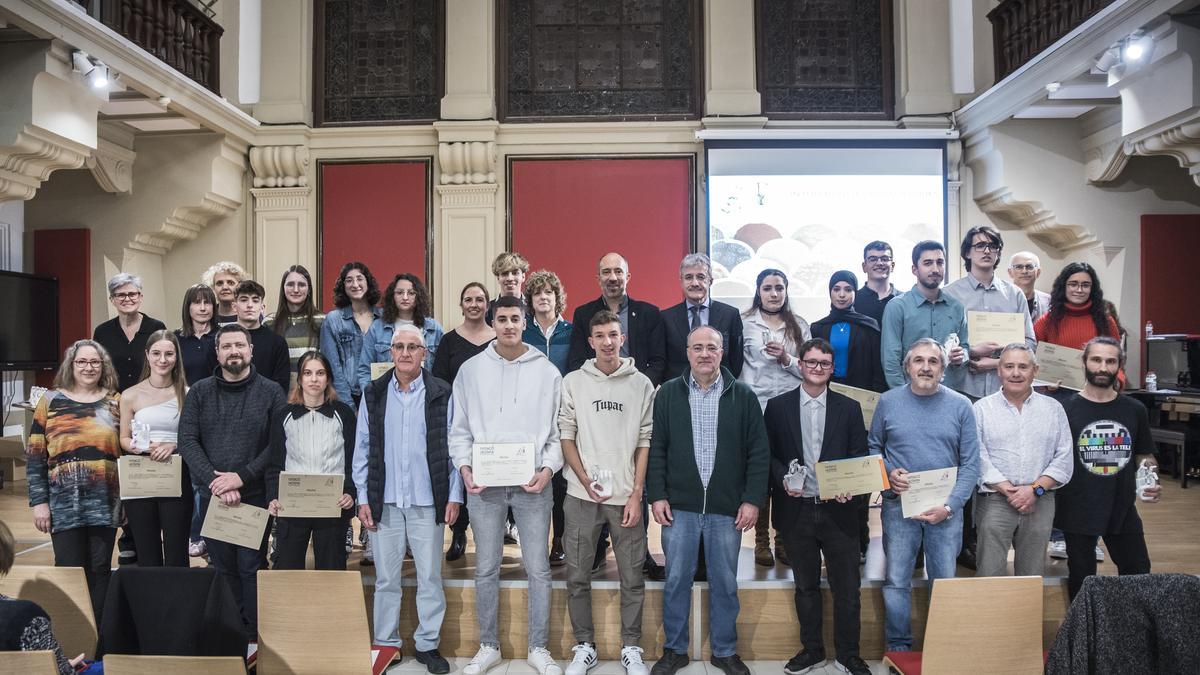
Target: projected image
810	226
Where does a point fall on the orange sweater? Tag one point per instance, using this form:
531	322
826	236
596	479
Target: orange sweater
1074	330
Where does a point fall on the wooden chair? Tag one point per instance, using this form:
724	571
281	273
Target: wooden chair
28	663
979	625
62	592
312	622
128	664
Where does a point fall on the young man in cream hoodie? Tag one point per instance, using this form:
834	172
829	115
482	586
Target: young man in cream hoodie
509	393
604	421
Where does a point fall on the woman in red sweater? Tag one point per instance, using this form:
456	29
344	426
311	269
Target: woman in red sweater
1077	311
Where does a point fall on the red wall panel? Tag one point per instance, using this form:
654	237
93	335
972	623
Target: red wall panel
1169	243
376	213
67	254
566	214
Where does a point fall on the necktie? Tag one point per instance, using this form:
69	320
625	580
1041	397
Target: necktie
695	310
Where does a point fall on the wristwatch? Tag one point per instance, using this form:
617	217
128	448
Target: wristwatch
1038	490
949	511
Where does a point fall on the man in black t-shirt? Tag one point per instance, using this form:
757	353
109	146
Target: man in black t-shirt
1112	436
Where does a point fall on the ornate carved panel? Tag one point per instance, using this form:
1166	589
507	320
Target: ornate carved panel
589	59
825	58
377	61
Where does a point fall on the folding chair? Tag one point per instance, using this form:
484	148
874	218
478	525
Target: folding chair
314	622
62	592
128	664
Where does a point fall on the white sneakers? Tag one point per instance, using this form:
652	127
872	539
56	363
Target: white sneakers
584	660
631	660
485	658
543	662
1058	550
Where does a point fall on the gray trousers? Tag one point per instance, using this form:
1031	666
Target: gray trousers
489	509
583	522
412	529
1000	526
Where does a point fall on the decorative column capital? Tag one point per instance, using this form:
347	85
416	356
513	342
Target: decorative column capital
32	156
278	166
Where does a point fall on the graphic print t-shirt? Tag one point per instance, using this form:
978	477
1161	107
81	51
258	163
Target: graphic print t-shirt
1100	497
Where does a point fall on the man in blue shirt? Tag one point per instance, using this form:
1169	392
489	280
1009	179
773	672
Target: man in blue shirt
407	490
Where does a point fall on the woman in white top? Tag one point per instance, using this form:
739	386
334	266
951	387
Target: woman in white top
772	336
149	426
314	435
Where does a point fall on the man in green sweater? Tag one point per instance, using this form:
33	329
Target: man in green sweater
707	476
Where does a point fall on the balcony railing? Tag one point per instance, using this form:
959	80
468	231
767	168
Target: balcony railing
177	32
1021	29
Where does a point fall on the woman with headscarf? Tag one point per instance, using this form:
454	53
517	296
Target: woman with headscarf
854	336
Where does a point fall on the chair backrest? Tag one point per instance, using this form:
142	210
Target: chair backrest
312	622
28	663
61	592
984	624
128	664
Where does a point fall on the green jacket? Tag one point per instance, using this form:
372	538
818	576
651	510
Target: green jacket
743	453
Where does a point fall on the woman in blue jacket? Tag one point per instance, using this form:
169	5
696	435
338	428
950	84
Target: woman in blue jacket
405	302
355	294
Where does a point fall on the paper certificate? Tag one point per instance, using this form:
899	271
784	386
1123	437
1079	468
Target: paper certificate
927	490
378	369
857	476
241	525
502	464
141	477
867	400
309	495
1003	328
1056	362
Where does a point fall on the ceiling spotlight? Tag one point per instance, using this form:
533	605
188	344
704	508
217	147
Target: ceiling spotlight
1108	59
1138	46
98	76
1052	87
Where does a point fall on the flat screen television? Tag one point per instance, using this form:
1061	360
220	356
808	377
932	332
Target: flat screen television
29	324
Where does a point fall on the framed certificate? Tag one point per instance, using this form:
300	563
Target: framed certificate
1003	328
867	400
927	490
857	476
502	464
141	477
309	495
1056	363
241	525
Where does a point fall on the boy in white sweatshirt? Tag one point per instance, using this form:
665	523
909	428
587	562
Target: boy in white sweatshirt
605	421
509	393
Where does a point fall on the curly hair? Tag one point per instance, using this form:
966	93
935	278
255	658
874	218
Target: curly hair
224	267
340	299
1058	298
420	310
509	260
545	280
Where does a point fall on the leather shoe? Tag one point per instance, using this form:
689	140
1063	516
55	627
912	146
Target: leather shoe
967	558
730	665
433	661
781	555
652	570
669	663
458	545
557	555
763	556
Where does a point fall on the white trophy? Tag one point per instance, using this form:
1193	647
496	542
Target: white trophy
141	436
602	481
1147	477
794	479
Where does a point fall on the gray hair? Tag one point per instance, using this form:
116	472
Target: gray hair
224	267
1019	347
123	279
720	338
1037	262
927	342
695	260
407	328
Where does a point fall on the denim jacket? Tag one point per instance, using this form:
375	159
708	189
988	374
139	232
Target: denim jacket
341	343
377	347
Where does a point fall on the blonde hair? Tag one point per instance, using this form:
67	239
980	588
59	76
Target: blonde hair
65	377
508	261
224	267
543	280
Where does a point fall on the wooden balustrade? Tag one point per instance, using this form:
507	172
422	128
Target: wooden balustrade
1021	29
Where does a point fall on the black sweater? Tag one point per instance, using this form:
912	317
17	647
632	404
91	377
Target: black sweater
270	357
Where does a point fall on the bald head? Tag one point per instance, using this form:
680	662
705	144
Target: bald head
613	274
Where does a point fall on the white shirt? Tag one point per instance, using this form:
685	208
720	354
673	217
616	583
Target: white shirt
812	427
1020	445
762	373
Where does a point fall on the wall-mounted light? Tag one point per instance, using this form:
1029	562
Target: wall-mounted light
98	75
1138	47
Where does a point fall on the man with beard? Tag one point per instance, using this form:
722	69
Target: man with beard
1112	437
878	265
640	322
224	436
923	312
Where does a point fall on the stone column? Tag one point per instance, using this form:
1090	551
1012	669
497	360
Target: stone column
470	61
729	59
283	232
467	235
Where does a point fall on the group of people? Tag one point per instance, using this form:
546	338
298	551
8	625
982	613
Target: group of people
692	415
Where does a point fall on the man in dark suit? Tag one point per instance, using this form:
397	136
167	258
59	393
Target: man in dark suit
640	321
811	424
698	309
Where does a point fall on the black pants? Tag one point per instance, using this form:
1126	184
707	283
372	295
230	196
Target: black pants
864	524
1128	552
328	537
831	529
161	528
90	548
558	484
239	567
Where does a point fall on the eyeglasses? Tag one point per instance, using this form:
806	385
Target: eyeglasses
127	296
1027	267
985	246
1079	285
85	364
407	349
879	259
817	365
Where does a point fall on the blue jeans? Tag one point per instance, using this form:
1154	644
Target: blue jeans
901	539
410	529
681	544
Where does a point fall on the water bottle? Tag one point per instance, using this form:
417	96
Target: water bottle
1147	477
1151	381
1149	329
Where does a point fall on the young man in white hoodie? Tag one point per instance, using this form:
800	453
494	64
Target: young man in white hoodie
605	418
509	393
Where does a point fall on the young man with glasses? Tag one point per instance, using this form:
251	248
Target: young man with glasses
807	425
878	265
1024	268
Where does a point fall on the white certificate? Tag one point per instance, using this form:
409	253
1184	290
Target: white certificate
241	525
309	495
378	369
857	476
927	490
1056	362
141	477
502	464
1003	328
867	400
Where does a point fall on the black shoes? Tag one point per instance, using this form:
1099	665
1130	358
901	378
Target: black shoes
557	556
458	545
730	665
804	662
652	570
852	665
967	558
601	555
670	663
433	661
